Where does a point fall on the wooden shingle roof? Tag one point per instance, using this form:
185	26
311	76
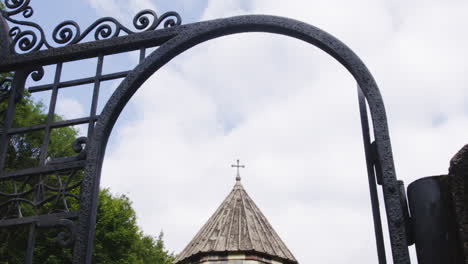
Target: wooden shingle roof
237	226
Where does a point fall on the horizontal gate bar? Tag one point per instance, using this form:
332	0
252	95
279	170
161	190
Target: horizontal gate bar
104	77
90	49
37	218
71	122
43	170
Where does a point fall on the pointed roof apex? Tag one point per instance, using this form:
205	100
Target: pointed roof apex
237	226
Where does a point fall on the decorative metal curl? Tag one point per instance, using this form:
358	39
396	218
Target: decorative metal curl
7	81
79	146
27	40
18	6
5	85
40	192
61	237
37	74
68	32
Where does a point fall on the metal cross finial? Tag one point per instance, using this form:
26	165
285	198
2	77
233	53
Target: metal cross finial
238	178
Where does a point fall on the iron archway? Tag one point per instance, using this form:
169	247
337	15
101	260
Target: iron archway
205	31
173	41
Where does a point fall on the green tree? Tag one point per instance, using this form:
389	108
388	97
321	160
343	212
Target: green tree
23	152
118	239
23	149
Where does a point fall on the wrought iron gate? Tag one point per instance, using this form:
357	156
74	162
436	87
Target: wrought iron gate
61	192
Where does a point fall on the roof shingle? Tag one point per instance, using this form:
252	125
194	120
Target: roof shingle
238	225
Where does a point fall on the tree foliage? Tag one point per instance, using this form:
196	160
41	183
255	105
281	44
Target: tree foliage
24	149
118	239
23	152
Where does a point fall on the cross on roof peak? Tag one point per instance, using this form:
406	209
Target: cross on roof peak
238	178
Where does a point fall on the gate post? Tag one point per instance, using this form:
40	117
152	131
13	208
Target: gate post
458	173
4	38
439	214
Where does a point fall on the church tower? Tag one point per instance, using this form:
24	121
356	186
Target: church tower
237	233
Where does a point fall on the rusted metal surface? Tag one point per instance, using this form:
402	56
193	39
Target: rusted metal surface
237	226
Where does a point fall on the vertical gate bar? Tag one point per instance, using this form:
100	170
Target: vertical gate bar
7	122
31	242
19	79
97	86
5	39
371	176
142	54
50	116
18	204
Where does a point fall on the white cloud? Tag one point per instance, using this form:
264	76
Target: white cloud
123	10
216	9
289	112
69	108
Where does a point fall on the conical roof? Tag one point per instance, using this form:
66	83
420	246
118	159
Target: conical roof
237	226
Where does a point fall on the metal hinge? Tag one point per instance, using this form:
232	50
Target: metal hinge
375	161
406	215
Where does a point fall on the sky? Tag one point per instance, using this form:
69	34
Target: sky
287	110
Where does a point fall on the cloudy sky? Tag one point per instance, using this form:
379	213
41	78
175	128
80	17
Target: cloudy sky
286	109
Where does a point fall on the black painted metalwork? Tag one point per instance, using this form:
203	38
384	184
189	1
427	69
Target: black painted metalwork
68	32
25	50
435	231
371	160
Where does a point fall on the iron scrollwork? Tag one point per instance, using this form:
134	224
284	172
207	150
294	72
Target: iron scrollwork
5	85
41	195
62	238
69	32
79	146
7	82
